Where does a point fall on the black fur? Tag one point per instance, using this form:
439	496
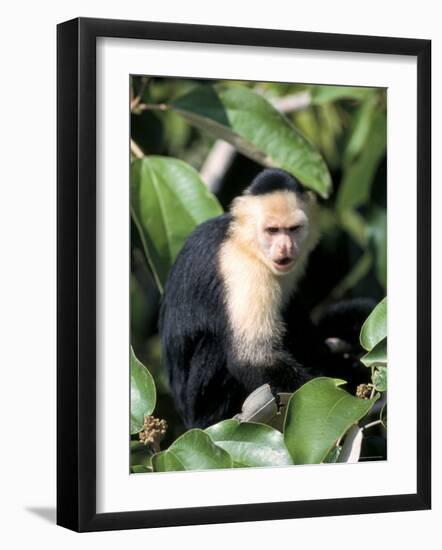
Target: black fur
273	179
193	328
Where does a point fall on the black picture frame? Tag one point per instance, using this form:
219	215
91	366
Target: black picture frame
77	287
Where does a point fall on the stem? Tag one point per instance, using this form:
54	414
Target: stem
135	101
216	164
371	424
155	446
136	149
291	103
152	107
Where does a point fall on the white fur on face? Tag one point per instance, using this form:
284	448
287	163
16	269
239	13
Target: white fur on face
256	290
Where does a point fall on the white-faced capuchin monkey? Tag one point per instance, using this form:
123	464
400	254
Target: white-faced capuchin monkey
228	322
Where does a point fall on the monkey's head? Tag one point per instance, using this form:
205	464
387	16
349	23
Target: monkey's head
274	220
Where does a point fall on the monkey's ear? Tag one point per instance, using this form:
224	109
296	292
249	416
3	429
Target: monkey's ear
240	206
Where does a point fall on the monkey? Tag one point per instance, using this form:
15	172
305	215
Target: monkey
228	320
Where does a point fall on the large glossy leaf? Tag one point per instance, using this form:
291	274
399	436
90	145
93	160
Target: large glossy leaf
250	123
377	356
375	327
142	393
250	444
194	450
318	414
355	188
168	200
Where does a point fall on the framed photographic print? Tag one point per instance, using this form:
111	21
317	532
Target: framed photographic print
235	208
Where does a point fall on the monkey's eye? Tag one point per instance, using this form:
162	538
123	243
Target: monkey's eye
295	228
272	230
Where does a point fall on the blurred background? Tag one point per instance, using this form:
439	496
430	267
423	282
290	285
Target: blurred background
346	125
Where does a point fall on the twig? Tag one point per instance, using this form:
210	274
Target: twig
135	101
152	107
293	102
217	163
351	449
136	149
375	423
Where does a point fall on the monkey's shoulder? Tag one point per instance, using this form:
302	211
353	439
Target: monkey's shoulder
202	246
195	273
213	231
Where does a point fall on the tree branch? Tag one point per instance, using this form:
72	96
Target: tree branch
136	149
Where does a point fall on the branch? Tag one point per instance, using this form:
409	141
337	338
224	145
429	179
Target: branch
135	101
136	149
351	449
292	103
152	107
217	163
371	424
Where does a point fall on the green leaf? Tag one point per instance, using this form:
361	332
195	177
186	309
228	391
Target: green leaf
360	130
140	469
194	450
142	393
318	414
377	356
355	188
333	455
375	327
250	123
250	444
168	200
377	236
325	94
140	454
379	378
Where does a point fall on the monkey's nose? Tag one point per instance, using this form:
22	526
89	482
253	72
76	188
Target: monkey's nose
286	250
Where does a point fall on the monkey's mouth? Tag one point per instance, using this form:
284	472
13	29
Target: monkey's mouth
283	264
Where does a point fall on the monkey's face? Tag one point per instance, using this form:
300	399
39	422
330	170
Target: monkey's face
281	231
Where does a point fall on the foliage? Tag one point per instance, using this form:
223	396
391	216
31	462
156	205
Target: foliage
250	444
142	393
168	200
194	450
374	340
250	123
374	330
333	139
319	416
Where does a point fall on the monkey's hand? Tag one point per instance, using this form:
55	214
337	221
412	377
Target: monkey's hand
284	374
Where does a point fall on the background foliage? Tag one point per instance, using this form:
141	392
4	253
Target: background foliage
195	145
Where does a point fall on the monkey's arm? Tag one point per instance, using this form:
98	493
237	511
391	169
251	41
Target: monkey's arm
283	375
